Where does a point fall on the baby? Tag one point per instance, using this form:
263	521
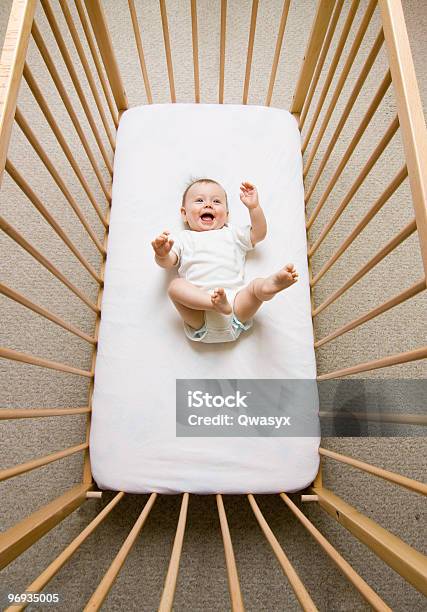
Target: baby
210	294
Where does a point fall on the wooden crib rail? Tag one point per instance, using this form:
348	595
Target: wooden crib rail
409	121
41	581
12	64
410	112
407	561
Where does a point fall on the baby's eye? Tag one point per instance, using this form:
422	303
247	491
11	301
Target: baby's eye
199	200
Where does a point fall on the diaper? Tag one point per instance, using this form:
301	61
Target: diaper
218	327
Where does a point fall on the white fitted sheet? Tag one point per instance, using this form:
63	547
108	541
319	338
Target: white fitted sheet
142	348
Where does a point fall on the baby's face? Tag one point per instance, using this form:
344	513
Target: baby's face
205	207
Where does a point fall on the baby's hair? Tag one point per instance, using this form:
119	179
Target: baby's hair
203	180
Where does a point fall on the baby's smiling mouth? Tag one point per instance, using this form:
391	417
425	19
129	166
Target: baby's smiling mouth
207	217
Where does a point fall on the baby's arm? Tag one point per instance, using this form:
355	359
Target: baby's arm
249	197
162	246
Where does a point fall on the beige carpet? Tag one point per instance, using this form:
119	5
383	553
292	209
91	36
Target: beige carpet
202	581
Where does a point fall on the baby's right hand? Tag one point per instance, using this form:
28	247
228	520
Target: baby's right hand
162	244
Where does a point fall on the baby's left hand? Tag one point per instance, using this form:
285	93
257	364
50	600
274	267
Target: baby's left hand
249	195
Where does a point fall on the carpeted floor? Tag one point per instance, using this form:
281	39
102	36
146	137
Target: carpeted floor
202	583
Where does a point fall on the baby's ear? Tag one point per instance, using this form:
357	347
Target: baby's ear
183	214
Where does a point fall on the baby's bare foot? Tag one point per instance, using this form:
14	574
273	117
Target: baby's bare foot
271	285
220	302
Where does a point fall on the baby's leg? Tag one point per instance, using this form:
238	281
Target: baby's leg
260	290
193	318
191	302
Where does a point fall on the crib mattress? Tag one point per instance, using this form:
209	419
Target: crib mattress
142	349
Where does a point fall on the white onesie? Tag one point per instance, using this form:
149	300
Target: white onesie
211	259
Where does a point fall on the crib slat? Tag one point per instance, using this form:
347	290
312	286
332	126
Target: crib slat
53	568
379	256
357	581
80	51
21	121
401	557
44	363
250	50
15	540
277	51
379	417
233	577
36	463
106	583
321	62
331	71
11	65
346	112
35	413
35	90
384	362
385	84
195	41
222	50
21	299
165	27
77	86
403	481
166	602
294	580
341	82
378	204
98	21
24	186
375	155
94	54
138	40
317	36
371	314
67	103
410	111
18	238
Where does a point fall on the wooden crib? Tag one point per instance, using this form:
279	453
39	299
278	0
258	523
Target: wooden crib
85	43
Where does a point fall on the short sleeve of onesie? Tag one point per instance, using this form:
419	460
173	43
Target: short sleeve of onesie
242	236
177	247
